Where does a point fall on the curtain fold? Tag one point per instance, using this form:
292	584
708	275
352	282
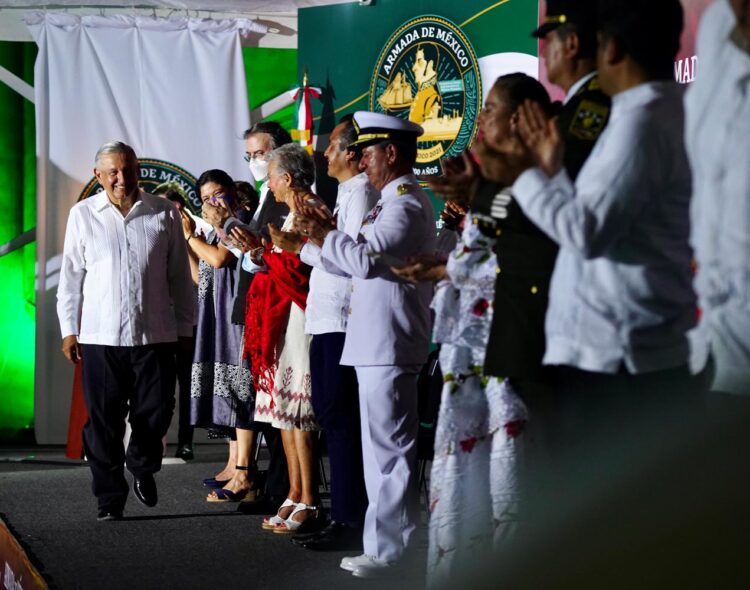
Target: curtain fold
173	89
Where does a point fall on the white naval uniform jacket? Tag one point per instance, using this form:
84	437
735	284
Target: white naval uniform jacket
389	322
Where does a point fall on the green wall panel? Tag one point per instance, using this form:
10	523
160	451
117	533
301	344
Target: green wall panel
17	215
270	72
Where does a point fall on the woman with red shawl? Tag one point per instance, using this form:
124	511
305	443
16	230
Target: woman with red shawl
278	347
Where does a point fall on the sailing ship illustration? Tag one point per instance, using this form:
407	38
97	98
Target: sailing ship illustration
426	104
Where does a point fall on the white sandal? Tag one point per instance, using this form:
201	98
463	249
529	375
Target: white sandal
290	525
270	524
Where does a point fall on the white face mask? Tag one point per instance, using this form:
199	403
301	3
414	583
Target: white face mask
258	168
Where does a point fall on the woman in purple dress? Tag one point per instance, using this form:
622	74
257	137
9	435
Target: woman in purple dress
222	395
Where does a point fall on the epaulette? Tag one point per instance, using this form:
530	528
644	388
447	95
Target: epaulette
405	188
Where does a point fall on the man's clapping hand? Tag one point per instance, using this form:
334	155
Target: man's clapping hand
244	239
542	138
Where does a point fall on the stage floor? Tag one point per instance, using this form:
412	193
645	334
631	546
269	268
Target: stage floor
183	542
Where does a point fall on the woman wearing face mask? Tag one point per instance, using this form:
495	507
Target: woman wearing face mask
222	396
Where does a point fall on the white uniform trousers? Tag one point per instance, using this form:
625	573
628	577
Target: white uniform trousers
388	412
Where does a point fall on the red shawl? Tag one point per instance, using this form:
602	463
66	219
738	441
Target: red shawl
267	306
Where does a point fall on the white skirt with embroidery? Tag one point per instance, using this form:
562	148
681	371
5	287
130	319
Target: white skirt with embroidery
288	406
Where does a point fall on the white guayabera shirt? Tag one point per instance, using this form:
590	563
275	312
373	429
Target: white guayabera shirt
125	281
328	302
621	292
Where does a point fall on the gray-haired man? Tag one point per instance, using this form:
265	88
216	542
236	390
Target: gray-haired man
125	295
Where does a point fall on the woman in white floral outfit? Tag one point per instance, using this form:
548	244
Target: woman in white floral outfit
474	484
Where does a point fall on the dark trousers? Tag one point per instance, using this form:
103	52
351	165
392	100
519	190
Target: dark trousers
184	373
588	429
277	476
117	380
335	401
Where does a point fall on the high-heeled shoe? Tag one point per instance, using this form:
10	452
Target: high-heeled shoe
291	526
212	482
247	495
271	523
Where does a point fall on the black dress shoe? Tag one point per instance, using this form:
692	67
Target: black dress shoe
335	537
106	514
144	488
299	537
184	452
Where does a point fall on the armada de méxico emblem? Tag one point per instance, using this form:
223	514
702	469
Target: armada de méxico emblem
153	173
428	73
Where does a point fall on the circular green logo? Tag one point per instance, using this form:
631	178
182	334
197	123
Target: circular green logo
153	173
428	73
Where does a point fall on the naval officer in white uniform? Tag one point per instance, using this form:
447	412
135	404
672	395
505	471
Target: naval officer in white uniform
388	332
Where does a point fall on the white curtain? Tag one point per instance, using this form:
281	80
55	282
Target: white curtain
175	90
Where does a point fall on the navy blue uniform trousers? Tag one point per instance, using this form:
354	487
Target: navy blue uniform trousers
335	401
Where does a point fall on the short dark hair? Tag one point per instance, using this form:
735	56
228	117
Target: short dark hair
171	194
348	136
279	135
519	87
649	31
247	196
586	38
219	177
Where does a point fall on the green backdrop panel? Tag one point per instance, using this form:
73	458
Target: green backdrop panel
17	215
270	72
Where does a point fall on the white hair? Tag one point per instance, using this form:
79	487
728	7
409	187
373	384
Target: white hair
114	147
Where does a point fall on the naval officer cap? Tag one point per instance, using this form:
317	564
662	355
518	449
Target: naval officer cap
373	128
581	13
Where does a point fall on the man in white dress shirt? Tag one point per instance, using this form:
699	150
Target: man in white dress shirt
260	140
334	386
621	300
388	331
125	295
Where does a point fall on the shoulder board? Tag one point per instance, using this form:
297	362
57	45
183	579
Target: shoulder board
403	189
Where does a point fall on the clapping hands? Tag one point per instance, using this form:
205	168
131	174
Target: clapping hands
542	138
421	268
459	180
312	220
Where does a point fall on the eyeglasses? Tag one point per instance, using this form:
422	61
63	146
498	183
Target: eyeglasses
259	155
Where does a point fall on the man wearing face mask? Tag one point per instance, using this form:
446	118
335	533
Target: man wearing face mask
260	140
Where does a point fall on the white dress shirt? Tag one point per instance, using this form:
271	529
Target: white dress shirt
125	281
718	141
247	262
577	85
328	301
621	290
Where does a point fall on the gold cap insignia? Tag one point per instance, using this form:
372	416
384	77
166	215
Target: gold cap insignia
559	19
